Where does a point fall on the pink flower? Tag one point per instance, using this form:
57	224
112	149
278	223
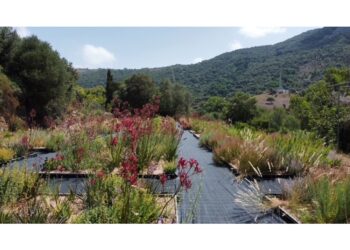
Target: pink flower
129	170
182	163
185	181
193	162
114	141
198	169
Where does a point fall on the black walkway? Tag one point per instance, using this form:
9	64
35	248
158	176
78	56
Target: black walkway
213	196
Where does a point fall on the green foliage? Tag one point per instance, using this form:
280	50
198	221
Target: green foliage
301	60
45	79
170	167
91	98
258	153
330	201
80	152
241	108
17	184
109	91
8	99
9	41
275	120
56	141
107	197
169	144
22	199
299	150
318	109
174	99
147	150
140	89
215	107
101	191
6	155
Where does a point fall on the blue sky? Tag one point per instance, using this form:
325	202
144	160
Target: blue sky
109	47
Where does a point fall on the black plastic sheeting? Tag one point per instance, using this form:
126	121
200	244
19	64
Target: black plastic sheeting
216	195
32	163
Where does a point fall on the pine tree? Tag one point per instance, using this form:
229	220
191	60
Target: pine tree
109	92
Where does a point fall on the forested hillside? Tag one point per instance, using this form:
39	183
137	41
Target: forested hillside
299	61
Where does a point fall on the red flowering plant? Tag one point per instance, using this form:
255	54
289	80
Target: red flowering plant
56	163
186	169
133	134
130	147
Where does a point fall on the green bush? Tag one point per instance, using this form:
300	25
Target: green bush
6	155
107	198
170	167
56	141
331	201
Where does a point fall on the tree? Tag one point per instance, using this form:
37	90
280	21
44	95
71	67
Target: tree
318	109
9	40
140	89
276	120
241	108
166	98
8	98
109	91
182	100
215	106
45	79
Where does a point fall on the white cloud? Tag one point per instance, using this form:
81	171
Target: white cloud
257	32
235	45
95	57
22	31
197	60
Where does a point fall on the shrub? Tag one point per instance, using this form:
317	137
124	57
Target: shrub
170	167
107	198
56	141
169	144
16	184
147	150
227	150
300	150
118	147
330	200
38	137
257	159
6	155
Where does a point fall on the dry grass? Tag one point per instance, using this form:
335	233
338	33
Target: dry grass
280	101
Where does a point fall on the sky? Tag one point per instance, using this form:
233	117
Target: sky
133	47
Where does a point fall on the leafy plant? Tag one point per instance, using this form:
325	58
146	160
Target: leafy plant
170	167
6	155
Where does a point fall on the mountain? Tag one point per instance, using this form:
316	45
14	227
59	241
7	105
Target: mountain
296	62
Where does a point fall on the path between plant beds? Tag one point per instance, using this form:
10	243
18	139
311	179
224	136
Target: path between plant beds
212	198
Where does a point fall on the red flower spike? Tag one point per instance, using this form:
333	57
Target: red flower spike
198	169
182	163
114	141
